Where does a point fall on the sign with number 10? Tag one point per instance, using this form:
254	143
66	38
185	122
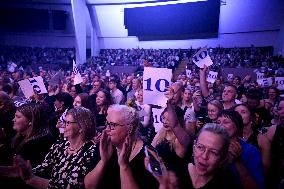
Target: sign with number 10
155	82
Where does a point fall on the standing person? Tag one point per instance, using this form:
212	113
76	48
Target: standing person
229	93
117	95
68	161
136	85
122	165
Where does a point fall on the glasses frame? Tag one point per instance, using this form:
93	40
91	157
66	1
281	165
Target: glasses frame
201	149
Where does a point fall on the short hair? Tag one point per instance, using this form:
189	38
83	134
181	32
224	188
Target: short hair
217	104
130	115
218	130
253	94
86	121
7	102
235	117
233	86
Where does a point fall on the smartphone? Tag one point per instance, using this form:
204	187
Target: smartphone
154	165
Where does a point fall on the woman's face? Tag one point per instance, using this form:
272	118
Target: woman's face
229	125
140	96
208	151
21	123
212	111
186	95
165	121
245	113
73	92
77	102
116	127
71	127
101	97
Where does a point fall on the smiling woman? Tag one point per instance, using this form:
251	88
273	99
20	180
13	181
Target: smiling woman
67	162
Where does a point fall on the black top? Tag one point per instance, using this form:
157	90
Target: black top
224	179
144	179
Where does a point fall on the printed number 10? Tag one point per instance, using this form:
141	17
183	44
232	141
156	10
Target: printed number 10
157	84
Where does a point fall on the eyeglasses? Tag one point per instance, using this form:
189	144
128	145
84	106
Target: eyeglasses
68	122
112	126
200	149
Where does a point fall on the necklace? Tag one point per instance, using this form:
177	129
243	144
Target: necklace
74	149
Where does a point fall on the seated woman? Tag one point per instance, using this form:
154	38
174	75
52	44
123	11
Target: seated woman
68	161
146	129
103	101
32	135
84	100
245	159
210	151
122	165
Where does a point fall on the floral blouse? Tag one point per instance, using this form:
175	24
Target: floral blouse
67	170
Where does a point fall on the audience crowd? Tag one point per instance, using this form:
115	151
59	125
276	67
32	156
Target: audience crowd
229	134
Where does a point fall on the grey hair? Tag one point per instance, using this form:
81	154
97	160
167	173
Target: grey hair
86	120
130	115
218	130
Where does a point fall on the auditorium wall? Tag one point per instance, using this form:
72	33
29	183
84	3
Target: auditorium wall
242	23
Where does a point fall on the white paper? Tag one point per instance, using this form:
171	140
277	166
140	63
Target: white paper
28	86
77	76
158	124
265	82
212	76
202	58
280	82
155	81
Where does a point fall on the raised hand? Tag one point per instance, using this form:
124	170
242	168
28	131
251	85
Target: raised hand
235	151
124	154
106	148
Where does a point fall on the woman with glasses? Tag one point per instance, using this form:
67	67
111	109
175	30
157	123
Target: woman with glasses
121	152
207	170
68	161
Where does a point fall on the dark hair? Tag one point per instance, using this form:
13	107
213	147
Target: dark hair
253	93
7	102
66	98
236	119
108	100
252	115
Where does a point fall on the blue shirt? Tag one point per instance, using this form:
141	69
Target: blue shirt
251	159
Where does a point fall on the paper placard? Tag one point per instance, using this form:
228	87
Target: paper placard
212	76
259	75
188	73
28	86
230	77
279	82
158	121
155	81
265	82
202	58
77	76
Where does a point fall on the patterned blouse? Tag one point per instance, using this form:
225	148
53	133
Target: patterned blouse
63	169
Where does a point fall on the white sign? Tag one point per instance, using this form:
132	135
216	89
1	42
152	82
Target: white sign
230	77
77	76
259	75
202	58
155	82
280	82
158	121
28	86
212	76
188	73
265	82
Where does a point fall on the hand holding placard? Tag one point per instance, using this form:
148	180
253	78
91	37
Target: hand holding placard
202	58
